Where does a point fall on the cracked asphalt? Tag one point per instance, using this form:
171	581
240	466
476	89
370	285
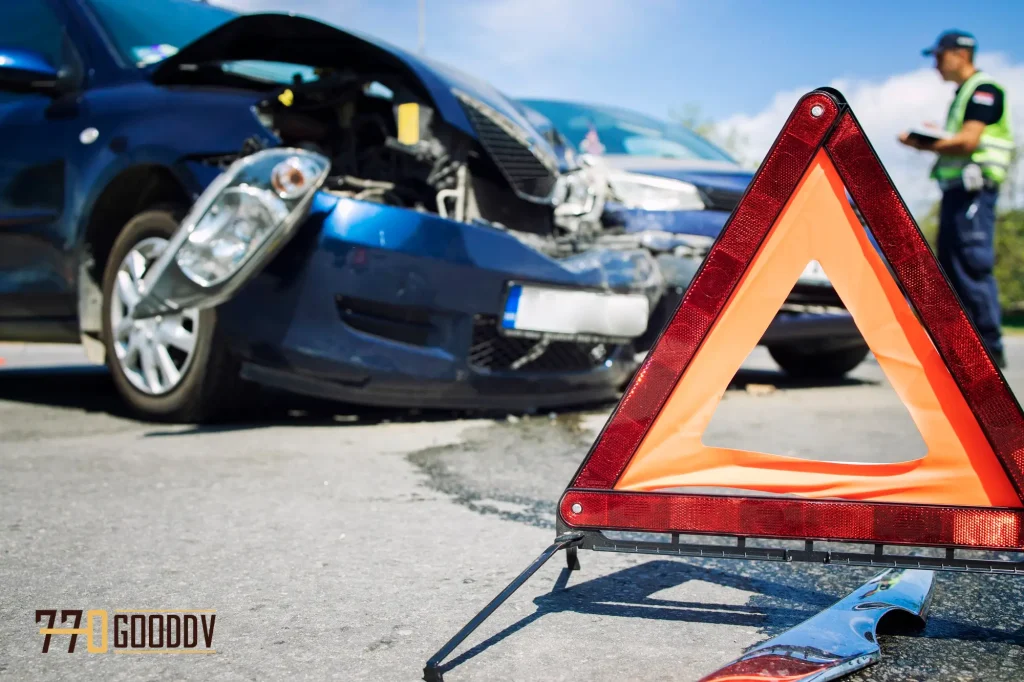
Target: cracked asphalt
343	543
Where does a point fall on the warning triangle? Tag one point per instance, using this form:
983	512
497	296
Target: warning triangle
964	492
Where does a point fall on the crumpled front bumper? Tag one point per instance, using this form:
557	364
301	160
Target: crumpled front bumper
387	306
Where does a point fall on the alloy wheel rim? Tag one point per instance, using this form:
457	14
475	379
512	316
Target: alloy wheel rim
155	353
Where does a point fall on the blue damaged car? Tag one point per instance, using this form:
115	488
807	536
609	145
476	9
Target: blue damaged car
211	201
672	191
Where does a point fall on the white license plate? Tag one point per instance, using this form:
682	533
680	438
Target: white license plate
814	274
565	311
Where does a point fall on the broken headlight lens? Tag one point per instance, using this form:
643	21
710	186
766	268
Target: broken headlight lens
651	193
246	215
237	223
253	206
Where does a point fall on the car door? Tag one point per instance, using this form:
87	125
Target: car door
37	263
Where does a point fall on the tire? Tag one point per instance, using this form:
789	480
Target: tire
208	386
818	364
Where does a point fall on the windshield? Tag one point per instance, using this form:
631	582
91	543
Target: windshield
145	32
150	31
610	130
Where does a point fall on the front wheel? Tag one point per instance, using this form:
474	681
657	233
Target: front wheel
168	367
818	364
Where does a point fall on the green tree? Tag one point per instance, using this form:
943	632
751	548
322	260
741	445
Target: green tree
1009	252
692	116
929	225
1010	259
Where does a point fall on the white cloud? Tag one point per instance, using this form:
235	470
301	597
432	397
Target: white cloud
884	108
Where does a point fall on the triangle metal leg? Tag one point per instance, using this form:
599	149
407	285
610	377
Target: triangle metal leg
572	557
433	671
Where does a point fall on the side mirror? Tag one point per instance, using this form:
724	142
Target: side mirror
27	71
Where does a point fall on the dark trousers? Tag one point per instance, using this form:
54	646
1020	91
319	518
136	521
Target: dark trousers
967	226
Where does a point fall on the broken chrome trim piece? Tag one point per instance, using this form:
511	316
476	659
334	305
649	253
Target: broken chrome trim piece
840	639
167	289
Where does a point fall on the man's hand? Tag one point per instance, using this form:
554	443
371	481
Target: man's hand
962	144
914	142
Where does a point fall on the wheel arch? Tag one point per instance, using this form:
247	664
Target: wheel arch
132	190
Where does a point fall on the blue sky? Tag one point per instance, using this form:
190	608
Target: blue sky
743	62
729	56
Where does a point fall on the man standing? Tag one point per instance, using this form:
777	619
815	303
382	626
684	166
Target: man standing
974	157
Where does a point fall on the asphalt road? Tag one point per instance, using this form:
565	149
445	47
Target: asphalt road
350	544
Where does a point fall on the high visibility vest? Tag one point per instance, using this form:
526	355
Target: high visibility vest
995	149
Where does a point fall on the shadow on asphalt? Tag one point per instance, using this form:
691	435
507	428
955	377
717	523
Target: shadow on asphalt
89	388
629	593
79	387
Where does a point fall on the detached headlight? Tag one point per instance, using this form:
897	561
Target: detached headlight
247	212
236	225
651	193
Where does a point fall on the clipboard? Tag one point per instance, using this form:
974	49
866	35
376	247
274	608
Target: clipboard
928	135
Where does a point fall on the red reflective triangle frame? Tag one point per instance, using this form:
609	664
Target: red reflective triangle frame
591	503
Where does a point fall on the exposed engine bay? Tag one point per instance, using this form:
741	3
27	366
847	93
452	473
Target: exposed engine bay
354	121
387	145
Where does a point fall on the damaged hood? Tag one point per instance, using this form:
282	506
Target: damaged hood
292	39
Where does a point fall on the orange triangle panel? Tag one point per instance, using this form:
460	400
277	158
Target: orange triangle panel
964	492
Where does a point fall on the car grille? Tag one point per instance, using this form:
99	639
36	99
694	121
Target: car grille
524	170
720	199
493	352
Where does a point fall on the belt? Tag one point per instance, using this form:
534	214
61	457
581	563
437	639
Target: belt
958	183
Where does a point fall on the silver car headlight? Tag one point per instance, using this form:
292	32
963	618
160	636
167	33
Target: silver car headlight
239	220
236	225
258	201
651	193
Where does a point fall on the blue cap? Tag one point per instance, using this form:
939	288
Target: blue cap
952	40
